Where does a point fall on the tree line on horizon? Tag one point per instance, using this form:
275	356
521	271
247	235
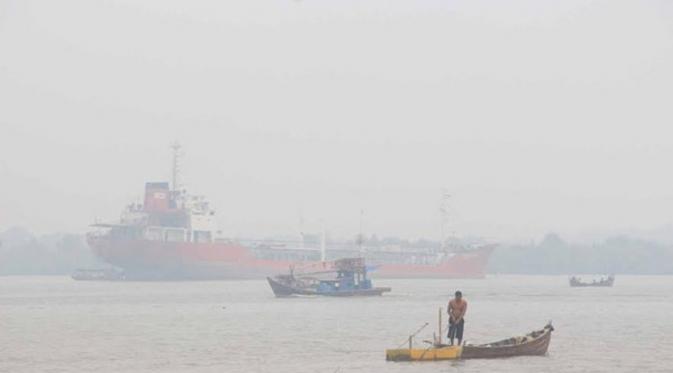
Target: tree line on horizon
24	253
554	256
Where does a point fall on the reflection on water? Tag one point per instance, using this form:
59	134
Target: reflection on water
54	323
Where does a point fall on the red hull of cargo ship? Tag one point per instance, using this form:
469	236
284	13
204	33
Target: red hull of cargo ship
155	260
471	264
148	260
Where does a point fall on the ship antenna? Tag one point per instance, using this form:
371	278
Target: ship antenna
444	217
175	169
360	238
322	244
301	230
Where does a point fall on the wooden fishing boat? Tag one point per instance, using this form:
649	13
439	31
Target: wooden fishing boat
348	279
576	282
532	344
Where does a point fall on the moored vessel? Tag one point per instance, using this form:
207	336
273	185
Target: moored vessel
172	235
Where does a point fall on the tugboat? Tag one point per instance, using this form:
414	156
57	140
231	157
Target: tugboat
348	278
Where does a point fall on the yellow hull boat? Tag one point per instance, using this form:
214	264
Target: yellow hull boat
424	354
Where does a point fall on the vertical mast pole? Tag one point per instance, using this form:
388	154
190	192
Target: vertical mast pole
301	231
322	244
439	339
360	238
443	212
175	167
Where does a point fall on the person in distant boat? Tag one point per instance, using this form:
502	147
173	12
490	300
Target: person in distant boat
457	308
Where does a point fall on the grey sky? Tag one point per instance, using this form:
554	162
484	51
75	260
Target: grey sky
536	115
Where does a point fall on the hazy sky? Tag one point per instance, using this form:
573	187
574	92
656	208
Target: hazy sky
536	115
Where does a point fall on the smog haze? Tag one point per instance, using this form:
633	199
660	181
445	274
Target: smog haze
535	116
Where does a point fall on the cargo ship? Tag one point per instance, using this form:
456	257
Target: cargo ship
172	235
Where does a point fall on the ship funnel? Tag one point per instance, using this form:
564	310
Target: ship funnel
157	197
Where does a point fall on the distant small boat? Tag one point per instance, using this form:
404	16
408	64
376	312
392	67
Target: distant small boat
348	277
98	274
576	282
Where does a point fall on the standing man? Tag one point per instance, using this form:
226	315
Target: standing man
457	308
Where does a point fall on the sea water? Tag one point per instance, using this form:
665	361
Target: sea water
55	324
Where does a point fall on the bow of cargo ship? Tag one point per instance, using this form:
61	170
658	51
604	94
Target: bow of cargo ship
170	236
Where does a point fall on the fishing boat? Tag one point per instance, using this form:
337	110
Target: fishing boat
576	282
532	344
340	278
98	274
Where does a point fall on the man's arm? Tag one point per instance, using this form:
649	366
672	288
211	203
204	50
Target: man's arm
449	310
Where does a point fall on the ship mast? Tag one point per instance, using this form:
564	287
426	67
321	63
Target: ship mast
444	217
301	231
323	252
360	238
175	167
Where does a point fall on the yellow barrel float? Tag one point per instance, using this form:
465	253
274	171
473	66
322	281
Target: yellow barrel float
424	354
437	351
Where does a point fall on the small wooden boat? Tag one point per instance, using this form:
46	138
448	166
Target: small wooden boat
350	280
532	344
576	282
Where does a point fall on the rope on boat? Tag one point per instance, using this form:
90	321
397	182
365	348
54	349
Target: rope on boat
424	352
413	335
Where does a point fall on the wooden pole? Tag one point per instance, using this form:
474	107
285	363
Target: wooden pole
440	325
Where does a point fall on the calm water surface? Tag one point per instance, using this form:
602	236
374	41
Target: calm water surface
55	324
